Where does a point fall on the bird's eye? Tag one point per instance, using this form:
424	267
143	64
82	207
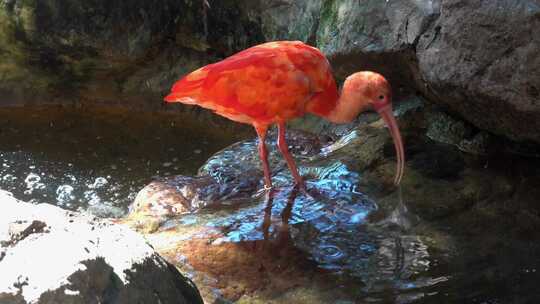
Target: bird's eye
381	97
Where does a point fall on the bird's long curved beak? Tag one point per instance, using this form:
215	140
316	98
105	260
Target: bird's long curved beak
388	117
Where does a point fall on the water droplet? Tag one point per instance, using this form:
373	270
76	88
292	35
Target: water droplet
98	183
33	182
9	178
64	194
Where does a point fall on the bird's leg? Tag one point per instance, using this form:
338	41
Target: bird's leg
263	153
283	147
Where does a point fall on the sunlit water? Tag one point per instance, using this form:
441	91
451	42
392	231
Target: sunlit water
392	257
97	161
387	260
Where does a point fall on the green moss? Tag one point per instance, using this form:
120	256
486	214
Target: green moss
13	50
328	22
329	12
27	17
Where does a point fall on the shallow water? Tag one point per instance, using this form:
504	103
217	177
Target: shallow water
97	160
374	261
347	241
338	244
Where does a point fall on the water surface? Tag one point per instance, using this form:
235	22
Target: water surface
97	159
461	229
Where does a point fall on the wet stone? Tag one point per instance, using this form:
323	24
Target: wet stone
439	161
241	242
231	177
444	128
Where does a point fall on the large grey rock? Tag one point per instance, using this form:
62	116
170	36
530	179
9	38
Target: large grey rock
341	27
49	255
480	58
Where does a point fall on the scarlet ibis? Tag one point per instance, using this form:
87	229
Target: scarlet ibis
274	82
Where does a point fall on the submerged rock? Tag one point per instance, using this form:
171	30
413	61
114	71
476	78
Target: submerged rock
231	177
49	255
241	243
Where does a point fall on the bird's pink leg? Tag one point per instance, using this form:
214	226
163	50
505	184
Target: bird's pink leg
283	147
263	153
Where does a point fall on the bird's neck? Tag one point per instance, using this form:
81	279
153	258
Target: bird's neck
346	108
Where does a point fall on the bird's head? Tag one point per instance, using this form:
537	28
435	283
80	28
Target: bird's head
370	91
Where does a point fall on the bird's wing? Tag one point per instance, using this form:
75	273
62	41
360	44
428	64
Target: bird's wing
262	83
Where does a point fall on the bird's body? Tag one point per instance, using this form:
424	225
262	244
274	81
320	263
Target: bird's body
274	82
265	84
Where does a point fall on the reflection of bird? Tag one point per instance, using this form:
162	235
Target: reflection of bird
274	82
283	228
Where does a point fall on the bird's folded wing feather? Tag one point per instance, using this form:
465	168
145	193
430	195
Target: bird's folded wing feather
260	83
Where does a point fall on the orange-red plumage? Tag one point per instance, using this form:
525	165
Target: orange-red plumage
271	82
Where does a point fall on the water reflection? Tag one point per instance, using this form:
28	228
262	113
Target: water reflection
330	225
338	238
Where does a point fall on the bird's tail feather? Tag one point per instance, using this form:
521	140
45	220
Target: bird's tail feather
176	97
185	91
